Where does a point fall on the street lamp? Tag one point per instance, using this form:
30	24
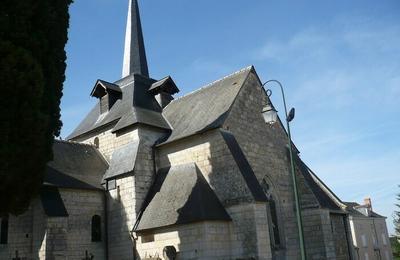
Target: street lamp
271	116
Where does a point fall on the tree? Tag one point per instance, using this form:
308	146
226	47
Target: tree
33	34
396	241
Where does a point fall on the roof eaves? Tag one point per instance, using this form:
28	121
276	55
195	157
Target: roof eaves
326	189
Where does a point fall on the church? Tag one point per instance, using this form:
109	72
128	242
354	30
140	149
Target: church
146	175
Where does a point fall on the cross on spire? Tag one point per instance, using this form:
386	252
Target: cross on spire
134	51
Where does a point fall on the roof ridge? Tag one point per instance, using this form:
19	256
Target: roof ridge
248	68
74	143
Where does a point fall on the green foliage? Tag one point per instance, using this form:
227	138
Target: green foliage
396	240
397	217
33	34
395	247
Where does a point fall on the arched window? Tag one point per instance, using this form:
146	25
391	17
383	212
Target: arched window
272	215
96	142
96	228
4	230
274	220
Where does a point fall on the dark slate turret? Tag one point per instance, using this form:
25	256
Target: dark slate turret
134	53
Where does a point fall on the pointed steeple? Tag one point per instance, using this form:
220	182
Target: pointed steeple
134	52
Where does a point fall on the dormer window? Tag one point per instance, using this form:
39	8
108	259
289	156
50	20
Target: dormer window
107	93
163	91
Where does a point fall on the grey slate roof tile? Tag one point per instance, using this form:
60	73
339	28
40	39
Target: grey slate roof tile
136	105
123	160
75	165
167	84
351	208
104	84
180	195
204	109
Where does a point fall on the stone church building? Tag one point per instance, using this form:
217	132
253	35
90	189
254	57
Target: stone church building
149	176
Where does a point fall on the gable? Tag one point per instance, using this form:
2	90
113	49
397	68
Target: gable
204	109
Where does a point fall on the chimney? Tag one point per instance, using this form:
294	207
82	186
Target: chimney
368	204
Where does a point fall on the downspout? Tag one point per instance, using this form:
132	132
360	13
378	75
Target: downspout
106	220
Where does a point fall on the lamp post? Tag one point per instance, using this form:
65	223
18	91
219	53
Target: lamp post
270	116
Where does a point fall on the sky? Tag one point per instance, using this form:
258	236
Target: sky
339	62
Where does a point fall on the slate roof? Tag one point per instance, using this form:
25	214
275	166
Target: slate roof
206	108
75	165
102	87
123	160
136	105
167	84
351	208
180	195
319	189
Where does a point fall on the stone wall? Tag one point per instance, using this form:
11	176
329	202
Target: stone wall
125	201
37	236
109	141
20	232
211	154
203	240
81	205
266	148
246	237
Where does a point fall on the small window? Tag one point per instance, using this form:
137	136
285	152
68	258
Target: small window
96	142
111	184
4	230
96	228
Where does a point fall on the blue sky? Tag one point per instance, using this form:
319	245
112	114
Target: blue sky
339	62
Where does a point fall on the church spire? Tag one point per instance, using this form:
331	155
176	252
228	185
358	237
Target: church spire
134	51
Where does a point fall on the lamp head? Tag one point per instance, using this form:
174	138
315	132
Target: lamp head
270	114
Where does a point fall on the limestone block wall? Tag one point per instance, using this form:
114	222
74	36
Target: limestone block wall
20	231
81	205
125	201
37	236
121	218
339	236
202	240
250	231
265	147
211	154
109	141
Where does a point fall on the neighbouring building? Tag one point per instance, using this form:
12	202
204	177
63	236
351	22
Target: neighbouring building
149	176
369	232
